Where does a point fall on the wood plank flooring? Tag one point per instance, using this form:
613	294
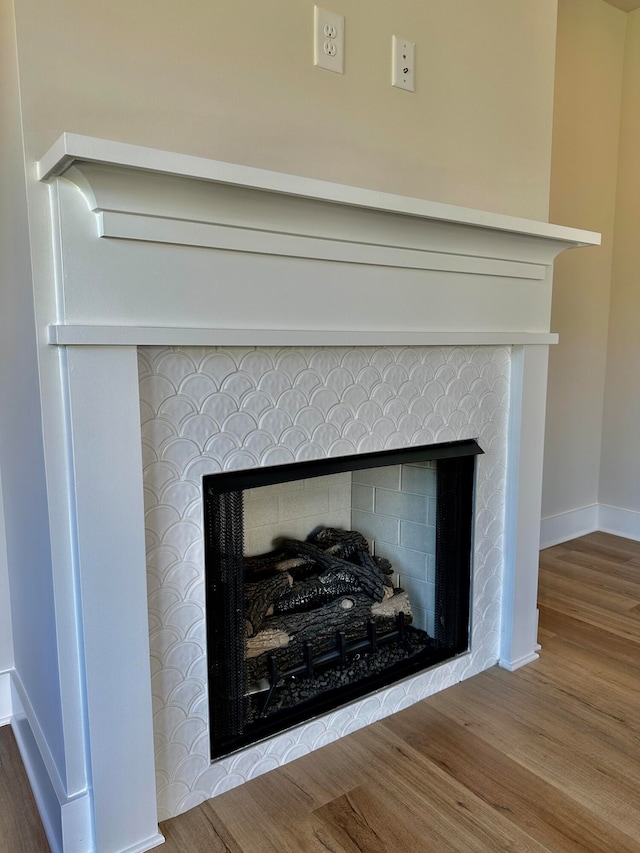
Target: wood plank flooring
543	759
20	827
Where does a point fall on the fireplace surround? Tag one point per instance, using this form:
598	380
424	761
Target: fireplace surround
162	259
234	410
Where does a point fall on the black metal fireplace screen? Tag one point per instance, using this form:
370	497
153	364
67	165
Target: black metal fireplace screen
325	609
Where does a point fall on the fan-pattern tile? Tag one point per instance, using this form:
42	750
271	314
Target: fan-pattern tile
207	410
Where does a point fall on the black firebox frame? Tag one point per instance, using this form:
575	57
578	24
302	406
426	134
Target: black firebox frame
224	545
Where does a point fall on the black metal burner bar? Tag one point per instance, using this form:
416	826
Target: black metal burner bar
339	654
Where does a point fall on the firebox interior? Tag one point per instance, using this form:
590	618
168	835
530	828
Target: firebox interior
327	580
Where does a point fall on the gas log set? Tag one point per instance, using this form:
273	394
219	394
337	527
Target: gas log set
320	613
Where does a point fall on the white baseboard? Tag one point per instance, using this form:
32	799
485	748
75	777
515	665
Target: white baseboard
512	665
560	528
67	819
6	705
150	844
568	525
620	522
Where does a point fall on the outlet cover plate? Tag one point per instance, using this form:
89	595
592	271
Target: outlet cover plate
328	40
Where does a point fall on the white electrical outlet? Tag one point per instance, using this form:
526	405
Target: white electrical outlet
403	64
328	40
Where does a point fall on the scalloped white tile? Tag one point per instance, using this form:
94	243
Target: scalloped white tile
206	410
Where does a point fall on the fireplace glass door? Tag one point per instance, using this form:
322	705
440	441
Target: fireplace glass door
330	579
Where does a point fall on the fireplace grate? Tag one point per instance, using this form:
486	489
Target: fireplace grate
340	655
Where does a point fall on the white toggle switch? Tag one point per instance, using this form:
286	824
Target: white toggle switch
328	40
403	63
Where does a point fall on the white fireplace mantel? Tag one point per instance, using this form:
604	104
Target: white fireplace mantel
154	248
470	277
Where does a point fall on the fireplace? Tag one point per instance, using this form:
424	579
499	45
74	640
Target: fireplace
224	414
198	317
315	623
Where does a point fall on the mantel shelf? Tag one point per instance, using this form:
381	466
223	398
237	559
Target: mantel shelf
72	148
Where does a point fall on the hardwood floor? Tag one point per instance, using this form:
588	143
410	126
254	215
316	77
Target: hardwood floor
20	827
543	759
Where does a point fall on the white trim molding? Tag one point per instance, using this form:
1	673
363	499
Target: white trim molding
66	816
619	521
269	241
565	526
77	335
6	705
556	529
513	665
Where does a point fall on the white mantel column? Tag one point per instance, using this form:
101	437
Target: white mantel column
107	468
523	501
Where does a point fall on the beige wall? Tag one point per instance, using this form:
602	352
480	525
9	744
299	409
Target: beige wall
24	532
620	468
11	222
6	639
588	88
235	81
